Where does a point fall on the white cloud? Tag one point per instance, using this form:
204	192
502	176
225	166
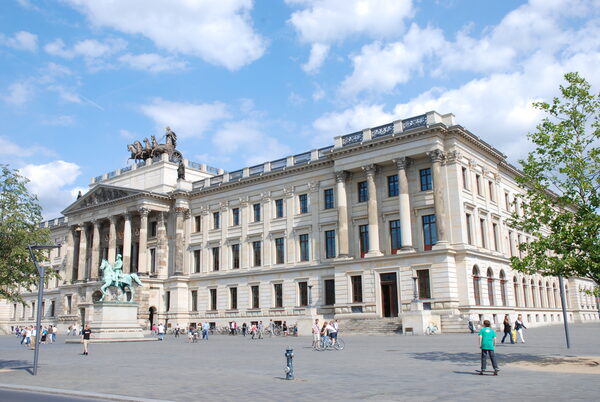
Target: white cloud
186	119
318	53
21	40
94	52
19	92
64	120
8	148
50	183
152	62
220	33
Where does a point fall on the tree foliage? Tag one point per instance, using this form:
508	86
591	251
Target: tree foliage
20	215
560	179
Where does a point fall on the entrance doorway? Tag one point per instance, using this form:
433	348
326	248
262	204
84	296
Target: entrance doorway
389	295
151	317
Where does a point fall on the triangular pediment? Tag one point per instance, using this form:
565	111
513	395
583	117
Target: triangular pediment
101	194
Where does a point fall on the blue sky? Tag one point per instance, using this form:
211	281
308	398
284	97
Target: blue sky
242	81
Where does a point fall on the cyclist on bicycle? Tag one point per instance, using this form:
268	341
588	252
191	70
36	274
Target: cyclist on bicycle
331	332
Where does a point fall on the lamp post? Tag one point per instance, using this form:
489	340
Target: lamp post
38	321
310	295
564	309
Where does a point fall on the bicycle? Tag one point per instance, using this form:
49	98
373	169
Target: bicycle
326	343
431	329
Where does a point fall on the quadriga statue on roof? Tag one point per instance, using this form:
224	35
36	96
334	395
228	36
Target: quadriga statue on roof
153	148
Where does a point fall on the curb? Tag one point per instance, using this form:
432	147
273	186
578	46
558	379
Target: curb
80	394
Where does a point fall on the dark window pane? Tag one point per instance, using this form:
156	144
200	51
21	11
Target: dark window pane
392	185
235	213
424	285
395	235
303	293
278	208
429	231
279	250
235	256
329	292
278	289
356	289
363	232
256	247
330	244
425	175
363	192
303	198
256	208
304	247
329	202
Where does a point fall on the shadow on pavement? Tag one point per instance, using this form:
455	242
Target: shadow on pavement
504	358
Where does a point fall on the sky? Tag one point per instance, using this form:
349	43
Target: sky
242	82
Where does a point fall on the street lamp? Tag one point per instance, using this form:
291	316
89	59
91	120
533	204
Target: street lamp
38	321
310	295
564	309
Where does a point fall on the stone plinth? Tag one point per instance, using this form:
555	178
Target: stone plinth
418	319
115	321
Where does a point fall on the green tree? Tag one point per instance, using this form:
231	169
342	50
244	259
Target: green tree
20	215
560	182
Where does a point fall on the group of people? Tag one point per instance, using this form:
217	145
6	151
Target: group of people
509	331
328	330
28	335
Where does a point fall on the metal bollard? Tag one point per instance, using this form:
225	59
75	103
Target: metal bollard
289	369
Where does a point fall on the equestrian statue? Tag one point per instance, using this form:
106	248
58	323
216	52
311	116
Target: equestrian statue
152	148
114	276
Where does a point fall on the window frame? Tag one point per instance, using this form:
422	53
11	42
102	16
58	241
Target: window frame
363	191
303	203
304	247
393	186
328	198
425	179
330	249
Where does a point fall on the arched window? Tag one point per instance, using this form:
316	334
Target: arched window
516	291
490	286
549	295
533	296
556	296
567	296
525	293
476	289
541	290
503	289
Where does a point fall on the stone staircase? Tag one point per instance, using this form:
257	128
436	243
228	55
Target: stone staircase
371	326
454	324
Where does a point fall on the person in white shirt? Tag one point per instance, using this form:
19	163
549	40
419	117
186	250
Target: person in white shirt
332	332
161	332
316	331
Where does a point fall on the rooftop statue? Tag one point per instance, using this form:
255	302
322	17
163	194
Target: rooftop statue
113	276
152	148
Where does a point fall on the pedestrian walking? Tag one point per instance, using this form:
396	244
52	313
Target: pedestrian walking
260	329
54	333
177	329
86	333
205	329
519	328
471	323
487	343
507	329
161	332
244	329
316	332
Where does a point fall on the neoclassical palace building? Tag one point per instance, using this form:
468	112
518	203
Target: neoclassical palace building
412	210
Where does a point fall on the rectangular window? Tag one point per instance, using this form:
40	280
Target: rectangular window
303	293
363	238
278	294
279	250
152	260
356	289
469	234
424	284
69	304
168	300
216	220
395	235
215	258
256	248
328	198
495	230
213	299
235	217
14	315
330	244
233	299
464	178
510	243
425	175
303	200
279	208
52	308
304	248
429	231
491	190
194	300
255	296
478	184
506	201
482	228
235	256
363	191
329	292
197	223
197	261
256	209
392	182
153	228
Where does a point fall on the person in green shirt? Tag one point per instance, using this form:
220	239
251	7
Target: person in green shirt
487	342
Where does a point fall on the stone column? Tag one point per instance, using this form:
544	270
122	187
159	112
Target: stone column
404	199
70	256
143	248
342	207
112	239
162	252
127	243
372	212
95	262
82	253
439	188
180	214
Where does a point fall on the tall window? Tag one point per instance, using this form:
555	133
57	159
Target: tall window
235	256
476	289
429	231
303	293
215	258
490	287
213	299
511	244
52	308
330	244
328	198
303	200
255	296
256	249
506	202
424	284
426	183
279	208
482	229
153	228
491	190
216	220
525	290
395	236
495	233
464	178
329	292
194	300
541	292
304	248
533	294
556	295
516	292
392	182
279	250
278	293
235	216
503	289
356	281
363	192
152	260
233	299
197	261
363	238
197	223
469	234
168	300
256	209
478	184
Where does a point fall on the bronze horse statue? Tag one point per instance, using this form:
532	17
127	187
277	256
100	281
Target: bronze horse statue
154	149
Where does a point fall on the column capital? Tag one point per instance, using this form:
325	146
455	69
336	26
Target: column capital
288	191
265	196
313	186
403	163
126	216
143	211
182	211
370	169
113	219
437	155
341	176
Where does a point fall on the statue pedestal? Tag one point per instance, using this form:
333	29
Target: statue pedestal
114	321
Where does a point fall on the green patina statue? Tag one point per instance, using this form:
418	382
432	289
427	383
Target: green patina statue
113	276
